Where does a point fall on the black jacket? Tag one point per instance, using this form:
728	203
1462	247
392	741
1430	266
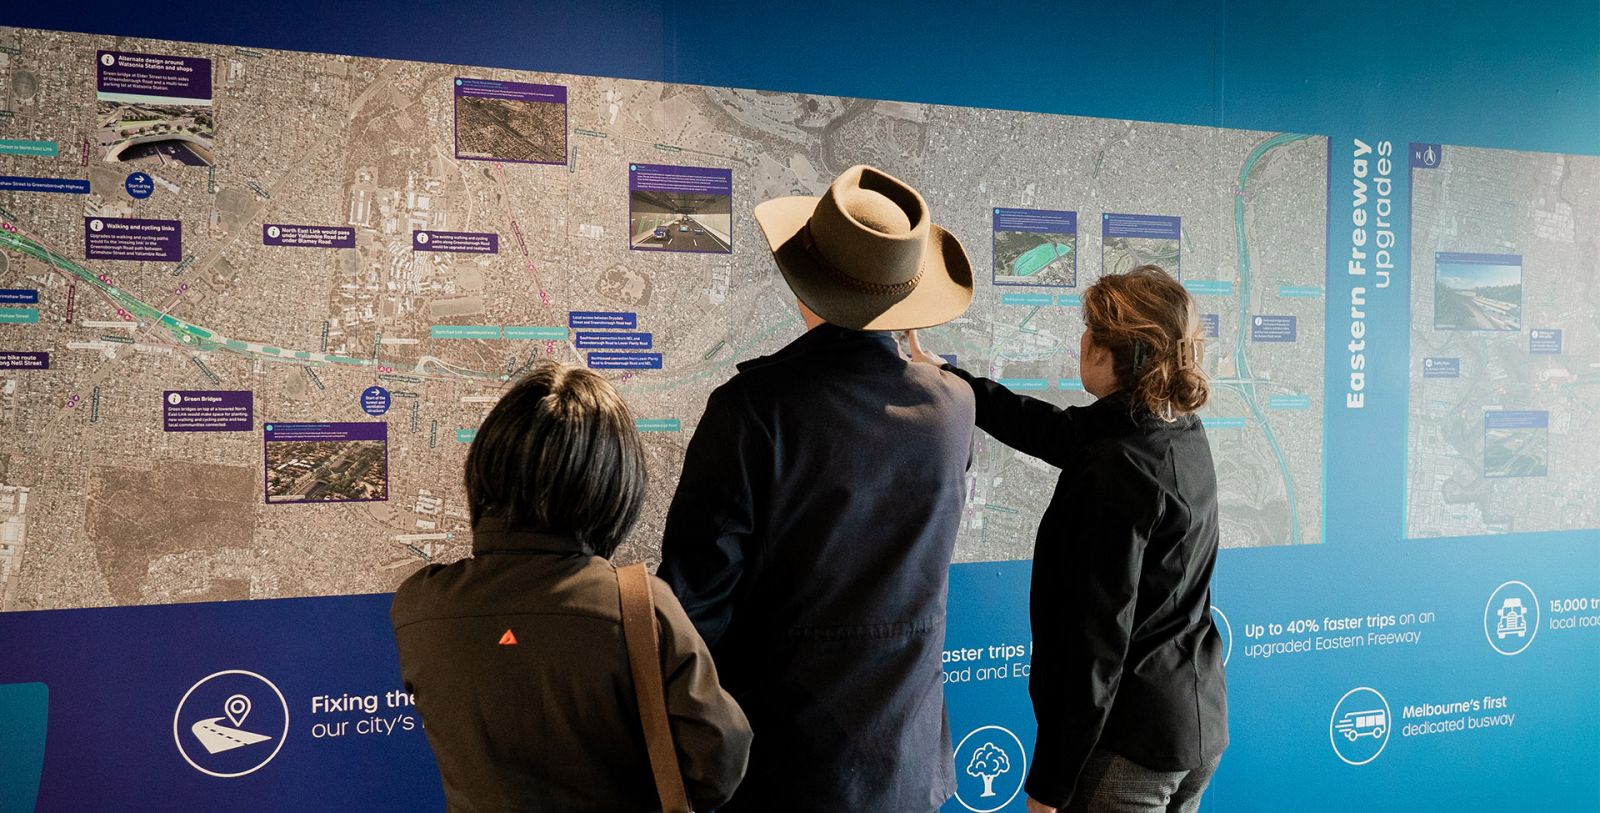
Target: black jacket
810	541
1125	654
550	722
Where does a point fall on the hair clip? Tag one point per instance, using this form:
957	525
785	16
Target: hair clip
1190	353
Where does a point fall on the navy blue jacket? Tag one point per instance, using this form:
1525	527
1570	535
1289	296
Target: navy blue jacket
810	543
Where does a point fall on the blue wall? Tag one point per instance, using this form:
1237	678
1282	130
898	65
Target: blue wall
1523	76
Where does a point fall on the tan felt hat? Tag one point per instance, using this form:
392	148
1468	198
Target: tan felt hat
866	255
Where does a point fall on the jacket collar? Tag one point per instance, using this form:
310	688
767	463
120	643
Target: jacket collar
491	535
1118	409
829	338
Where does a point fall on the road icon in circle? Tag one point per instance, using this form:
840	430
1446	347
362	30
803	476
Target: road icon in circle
175	398
96	225
991	765
273	232
1360	725
422	237
108	60
1511	618
231	723
1225	630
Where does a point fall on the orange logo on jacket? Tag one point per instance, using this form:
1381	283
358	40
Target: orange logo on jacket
508	639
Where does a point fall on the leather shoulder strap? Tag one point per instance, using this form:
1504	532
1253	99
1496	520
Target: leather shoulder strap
644	657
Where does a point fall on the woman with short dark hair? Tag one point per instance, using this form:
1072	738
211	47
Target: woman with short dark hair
516	655
1126	679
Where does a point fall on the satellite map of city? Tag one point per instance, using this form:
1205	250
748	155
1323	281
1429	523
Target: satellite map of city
369	247
1505	342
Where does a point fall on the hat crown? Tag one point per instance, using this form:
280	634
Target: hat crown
871	226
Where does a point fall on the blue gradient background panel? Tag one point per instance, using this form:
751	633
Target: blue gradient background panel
1519	77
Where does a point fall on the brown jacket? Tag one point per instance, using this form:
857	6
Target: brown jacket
550	722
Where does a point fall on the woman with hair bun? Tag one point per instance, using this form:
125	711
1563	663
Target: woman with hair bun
1126	680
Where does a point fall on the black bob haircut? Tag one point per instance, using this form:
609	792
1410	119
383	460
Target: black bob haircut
559	453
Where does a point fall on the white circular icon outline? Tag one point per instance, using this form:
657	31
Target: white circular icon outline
274	232
1333	718
177	740
108	60
1538	619
1024	772
175	398
422	237
1229	625
96	226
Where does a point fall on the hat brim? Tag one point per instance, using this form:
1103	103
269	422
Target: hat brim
943	293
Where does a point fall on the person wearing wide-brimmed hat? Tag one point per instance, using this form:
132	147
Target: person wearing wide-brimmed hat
811	533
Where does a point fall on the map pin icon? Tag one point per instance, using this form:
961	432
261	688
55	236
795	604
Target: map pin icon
237	708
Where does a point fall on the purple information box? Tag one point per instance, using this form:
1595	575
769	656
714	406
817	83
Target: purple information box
1036	220
1211	325
1437	367
618	320
1156	227
326	462
15	360
1516	419
614	341
516	122
283	234
152	77
122	238
459	242
1266	328
688	180
682	209
1544	341
207	410
625	361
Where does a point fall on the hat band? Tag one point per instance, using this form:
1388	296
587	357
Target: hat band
860	285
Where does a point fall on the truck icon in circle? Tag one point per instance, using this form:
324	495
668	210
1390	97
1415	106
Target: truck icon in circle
1357	724
1513	619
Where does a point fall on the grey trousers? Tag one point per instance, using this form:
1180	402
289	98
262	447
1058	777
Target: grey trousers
1113	784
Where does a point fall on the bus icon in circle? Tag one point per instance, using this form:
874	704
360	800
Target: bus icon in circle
1357	724
1360	725
231	723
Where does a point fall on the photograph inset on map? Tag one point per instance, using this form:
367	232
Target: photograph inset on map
327	462
680	209
1477	291
154	110
1035	247
1129	241
1516	444
511	121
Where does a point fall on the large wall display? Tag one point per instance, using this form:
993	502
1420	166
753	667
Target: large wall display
253	305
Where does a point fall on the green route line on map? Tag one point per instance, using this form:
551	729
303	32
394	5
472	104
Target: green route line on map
1241	363
195	335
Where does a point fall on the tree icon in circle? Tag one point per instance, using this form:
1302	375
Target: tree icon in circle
987	763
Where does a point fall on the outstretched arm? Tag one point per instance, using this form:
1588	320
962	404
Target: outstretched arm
1029	425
